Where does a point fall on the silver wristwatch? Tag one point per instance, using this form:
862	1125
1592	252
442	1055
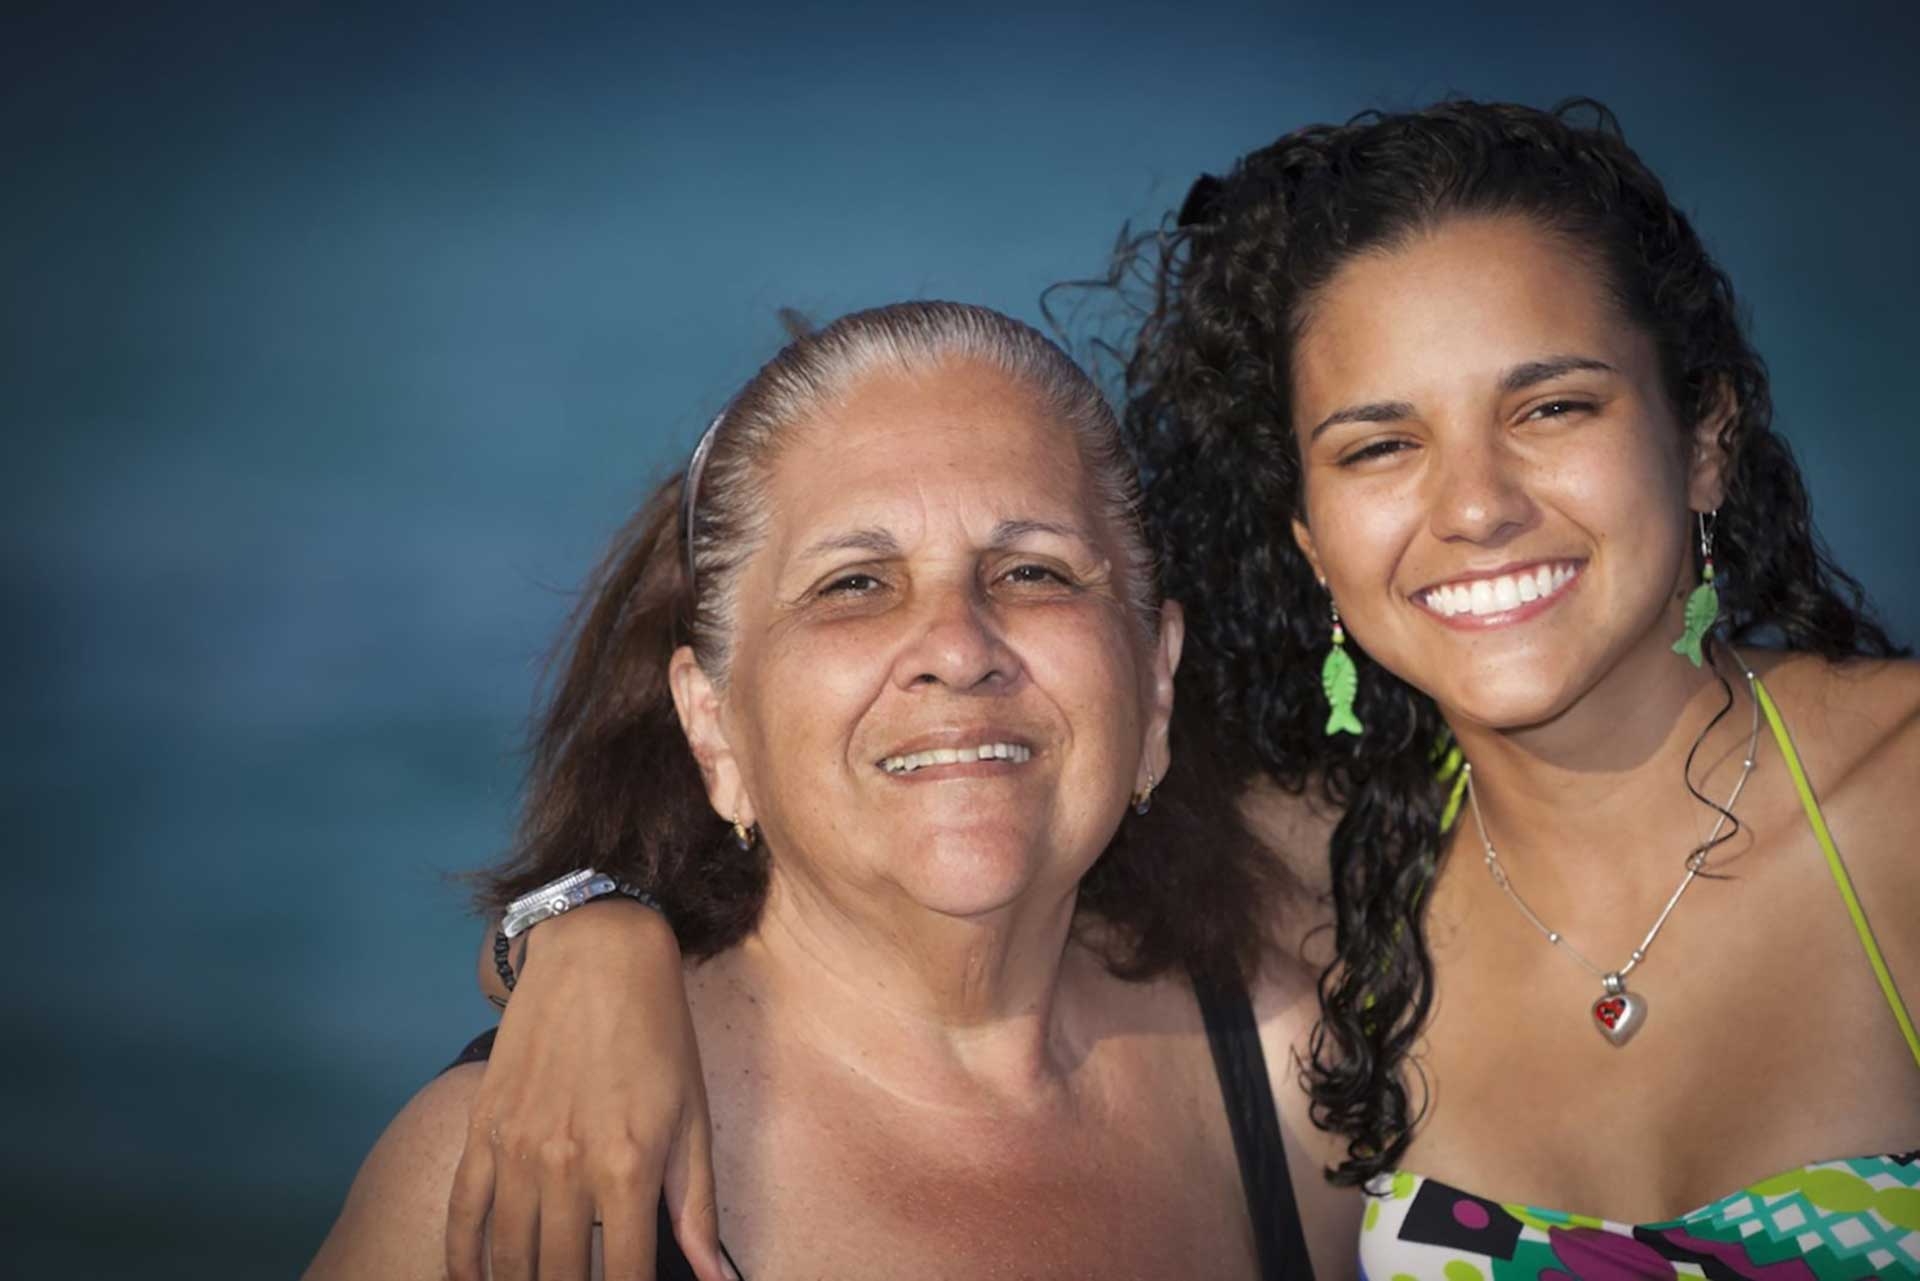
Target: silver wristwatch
555	898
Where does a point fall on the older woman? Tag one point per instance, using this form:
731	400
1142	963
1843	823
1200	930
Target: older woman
1453	441
868	702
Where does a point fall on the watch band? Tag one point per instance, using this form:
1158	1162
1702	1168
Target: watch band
554	899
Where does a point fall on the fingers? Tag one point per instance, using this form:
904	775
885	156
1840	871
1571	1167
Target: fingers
515	1231
691	1201
566	1233
626	1181
467	1208
628	1237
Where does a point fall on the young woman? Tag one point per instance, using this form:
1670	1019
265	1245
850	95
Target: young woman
1456	452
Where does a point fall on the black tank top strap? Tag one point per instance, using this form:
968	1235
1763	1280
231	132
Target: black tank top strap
1241	1066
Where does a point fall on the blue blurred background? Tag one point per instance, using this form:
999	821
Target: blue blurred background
335	339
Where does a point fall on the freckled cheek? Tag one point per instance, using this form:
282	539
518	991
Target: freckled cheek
809	697
1095	678
1632	504
1360	543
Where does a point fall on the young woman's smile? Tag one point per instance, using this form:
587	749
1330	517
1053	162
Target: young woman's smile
1497	491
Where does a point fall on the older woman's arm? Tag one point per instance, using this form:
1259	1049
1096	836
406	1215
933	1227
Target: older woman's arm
591	1106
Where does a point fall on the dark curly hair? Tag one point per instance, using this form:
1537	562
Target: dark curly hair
1215	305
613	784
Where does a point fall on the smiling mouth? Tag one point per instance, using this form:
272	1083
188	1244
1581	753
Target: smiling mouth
1500	593
1012	753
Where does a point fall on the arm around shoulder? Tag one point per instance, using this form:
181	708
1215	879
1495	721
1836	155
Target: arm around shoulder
393	1224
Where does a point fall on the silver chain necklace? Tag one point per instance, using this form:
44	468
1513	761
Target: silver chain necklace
1618	1013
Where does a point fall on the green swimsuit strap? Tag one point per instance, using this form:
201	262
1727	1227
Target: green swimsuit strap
1839	869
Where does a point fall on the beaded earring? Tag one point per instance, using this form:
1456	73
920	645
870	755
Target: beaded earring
1703	605
1340	680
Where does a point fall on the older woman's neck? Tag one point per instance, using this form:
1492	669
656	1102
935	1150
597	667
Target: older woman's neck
937	1010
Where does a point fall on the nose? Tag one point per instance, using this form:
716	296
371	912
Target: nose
1479	494
956	642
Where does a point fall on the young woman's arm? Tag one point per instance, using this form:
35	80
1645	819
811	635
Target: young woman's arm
592	1105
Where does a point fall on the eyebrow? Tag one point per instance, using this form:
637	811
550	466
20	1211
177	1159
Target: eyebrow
1010	531
1519	378
1533	372
1381	411
872	539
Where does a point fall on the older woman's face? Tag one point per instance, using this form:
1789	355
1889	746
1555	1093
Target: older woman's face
937	688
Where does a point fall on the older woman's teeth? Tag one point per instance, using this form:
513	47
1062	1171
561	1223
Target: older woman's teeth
1013	753
1498	595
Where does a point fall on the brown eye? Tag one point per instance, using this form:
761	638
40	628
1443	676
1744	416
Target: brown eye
851	585
1560	409
1034	574
1378	449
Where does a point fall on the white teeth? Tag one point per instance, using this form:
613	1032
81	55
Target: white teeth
1485	596
1013	752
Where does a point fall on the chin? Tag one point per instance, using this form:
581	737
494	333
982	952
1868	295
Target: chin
977	873
1511	699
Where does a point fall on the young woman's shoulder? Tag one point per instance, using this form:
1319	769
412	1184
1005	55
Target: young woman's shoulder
1856	723
393	1224
1856	727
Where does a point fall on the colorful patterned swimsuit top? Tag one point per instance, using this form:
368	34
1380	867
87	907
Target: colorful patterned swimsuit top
1838	1220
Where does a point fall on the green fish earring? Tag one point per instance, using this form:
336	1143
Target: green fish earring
1341	681
1703	604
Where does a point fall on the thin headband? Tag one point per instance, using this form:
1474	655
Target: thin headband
690	488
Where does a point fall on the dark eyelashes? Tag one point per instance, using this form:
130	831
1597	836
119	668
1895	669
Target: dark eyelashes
1037	574
1378	449
854	584
1561	408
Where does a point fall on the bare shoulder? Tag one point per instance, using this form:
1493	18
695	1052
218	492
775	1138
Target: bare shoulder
393	1224
1856	724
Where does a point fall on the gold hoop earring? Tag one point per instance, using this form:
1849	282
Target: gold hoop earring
744	834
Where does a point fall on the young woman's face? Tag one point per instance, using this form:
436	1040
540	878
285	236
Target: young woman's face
938	577
1497	492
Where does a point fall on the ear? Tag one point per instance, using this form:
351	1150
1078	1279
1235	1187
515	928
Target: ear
1157	753
698	705
1708	458
1303	539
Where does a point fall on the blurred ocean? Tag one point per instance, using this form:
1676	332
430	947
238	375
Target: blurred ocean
334	341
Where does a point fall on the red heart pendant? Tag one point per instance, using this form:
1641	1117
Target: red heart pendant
1618	1015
